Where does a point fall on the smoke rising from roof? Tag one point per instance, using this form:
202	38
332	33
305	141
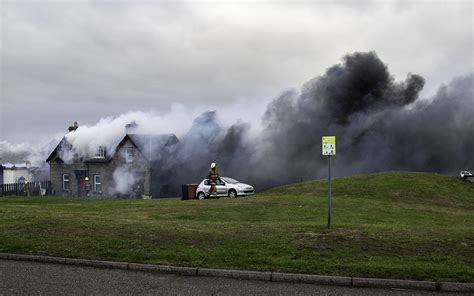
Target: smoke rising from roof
109	131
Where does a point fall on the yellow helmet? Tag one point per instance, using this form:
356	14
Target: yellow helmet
213	165
86	178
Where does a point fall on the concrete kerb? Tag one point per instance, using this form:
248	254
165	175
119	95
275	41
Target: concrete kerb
97	263
456	287
254	275
149	268
45	259
184	270
390	283
312	279
162	269
236	274
4	256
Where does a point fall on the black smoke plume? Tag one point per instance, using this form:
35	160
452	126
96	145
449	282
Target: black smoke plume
380	124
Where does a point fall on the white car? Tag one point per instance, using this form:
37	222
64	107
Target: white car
225	187
466	174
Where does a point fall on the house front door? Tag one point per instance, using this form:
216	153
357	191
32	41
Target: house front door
80	176
139	184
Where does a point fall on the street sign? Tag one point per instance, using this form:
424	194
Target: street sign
329	145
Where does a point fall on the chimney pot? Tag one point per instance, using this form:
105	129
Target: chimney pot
129	127
73	127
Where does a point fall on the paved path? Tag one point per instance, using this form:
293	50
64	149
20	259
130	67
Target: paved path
33	278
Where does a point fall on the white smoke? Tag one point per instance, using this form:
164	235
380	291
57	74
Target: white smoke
20	153
109	130
107	133
123	179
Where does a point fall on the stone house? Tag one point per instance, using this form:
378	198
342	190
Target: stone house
129	170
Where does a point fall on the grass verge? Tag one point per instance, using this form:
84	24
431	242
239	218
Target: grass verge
392	225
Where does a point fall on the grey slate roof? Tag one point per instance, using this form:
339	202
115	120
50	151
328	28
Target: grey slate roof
152	145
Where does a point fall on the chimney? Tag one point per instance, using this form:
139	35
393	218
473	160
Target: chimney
130	127
73	127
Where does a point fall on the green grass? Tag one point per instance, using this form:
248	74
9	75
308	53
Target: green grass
390	225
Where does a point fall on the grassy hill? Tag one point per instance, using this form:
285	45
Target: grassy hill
391	225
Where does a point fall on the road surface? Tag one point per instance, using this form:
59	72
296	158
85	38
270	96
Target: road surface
33	278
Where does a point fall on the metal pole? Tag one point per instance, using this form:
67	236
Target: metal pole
329	191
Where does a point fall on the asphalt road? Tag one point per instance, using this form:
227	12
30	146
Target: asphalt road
32	278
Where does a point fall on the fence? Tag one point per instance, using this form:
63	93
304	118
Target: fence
30	188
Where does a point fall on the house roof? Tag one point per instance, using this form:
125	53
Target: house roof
9	165
54	152
149	145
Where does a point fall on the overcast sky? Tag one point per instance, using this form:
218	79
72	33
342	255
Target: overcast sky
83	60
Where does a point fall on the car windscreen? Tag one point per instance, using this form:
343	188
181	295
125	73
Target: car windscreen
230	180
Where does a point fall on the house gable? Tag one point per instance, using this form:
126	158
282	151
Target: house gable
54	155
128	151
153	146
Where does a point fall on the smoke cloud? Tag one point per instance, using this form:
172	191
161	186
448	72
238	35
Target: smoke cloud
18	154
380	125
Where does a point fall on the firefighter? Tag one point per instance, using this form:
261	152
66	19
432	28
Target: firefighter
137	191
212	176
26	188
87	186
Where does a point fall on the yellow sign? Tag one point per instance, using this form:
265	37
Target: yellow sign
329	145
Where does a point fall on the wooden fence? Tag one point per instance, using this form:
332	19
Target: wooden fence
28	189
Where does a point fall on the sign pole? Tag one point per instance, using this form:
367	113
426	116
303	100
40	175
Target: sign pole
329	191
329	149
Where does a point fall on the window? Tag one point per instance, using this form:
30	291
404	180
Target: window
129	154
97	184
101	152
65	182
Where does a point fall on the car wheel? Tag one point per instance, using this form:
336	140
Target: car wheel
201	195
232	193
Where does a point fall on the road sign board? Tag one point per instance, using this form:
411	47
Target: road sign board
329	145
